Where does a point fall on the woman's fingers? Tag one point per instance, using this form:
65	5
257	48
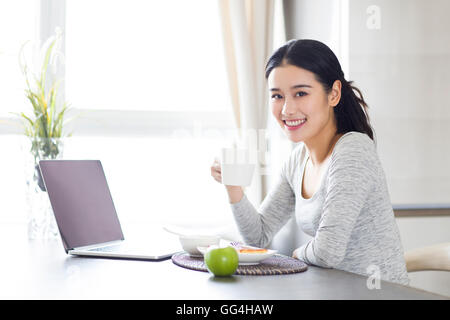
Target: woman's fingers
216	171
294	254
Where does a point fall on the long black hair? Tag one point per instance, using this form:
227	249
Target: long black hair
351	112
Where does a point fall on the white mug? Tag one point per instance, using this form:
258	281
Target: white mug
237	167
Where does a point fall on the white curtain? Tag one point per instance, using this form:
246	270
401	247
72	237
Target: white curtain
247	27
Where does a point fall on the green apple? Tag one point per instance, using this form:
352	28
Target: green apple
221	261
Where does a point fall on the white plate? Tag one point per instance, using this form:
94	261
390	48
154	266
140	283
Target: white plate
254	258
248	258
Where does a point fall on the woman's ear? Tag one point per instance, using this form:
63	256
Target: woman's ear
335	94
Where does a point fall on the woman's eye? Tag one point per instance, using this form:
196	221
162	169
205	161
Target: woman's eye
301	93
276	96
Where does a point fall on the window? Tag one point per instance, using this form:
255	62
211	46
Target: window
17	26
145	55
151	77
150	80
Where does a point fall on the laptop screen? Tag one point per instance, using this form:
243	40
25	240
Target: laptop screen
81	201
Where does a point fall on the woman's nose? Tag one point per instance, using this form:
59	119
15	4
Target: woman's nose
288	108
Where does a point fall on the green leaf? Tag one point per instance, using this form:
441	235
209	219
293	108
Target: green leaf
52	102
46	122
27	118
46	60
57	127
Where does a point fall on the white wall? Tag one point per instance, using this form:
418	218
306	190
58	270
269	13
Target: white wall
320	20
399	56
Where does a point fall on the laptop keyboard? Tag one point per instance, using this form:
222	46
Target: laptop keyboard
122	249
134	249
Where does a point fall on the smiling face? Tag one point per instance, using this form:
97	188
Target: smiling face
300	104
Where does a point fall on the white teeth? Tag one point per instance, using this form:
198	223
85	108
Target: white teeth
295	123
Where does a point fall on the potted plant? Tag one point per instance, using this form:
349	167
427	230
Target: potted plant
44	126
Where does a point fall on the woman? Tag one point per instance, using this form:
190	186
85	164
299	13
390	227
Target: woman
333	182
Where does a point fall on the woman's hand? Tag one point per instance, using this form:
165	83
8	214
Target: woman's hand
216	171
235	193
295	254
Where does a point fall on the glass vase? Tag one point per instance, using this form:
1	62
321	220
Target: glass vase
40	217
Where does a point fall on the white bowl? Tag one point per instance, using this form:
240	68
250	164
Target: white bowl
189	243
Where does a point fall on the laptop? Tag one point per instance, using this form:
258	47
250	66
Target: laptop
86	216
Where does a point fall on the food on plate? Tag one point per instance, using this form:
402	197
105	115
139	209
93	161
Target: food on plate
248	250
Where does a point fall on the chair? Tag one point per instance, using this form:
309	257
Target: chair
434	257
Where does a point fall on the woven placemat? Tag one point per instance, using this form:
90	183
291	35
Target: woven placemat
277	264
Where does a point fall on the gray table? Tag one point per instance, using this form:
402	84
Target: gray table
42	270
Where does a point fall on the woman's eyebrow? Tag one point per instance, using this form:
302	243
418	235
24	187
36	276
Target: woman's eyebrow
294	87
